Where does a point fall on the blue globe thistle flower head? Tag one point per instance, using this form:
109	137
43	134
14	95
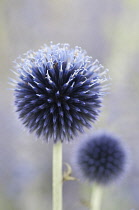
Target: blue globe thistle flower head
101	158
58	91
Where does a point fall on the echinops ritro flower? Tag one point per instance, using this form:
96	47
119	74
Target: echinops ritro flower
58	91
101	158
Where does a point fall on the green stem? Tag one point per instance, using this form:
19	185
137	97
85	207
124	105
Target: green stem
57	176
96	196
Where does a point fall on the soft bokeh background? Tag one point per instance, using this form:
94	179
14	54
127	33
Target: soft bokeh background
109	31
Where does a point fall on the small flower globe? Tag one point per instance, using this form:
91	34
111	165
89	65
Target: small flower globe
101	158
58	91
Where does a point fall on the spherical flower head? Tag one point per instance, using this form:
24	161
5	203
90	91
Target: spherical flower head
102	158
58	91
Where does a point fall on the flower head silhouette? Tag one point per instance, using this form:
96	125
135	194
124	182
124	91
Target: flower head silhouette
102	158
58	91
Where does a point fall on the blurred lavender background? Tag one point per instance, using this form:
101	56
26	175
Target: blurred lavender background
109	31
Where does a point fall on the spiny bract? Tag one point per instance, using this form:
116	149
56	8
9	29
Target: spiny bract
101	158
58	91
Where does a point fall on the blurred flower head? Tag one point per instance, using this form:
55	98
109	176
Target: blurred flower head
102	158
58	91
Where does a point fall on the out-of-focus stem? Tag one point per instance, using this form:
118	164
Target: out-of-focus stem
96	196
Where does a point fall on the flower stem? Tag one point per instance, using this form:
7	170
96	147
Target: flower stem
57	176
96	196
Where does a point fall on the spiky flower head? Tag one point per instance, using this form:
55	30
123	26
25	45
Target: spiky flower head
101	158
58	91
